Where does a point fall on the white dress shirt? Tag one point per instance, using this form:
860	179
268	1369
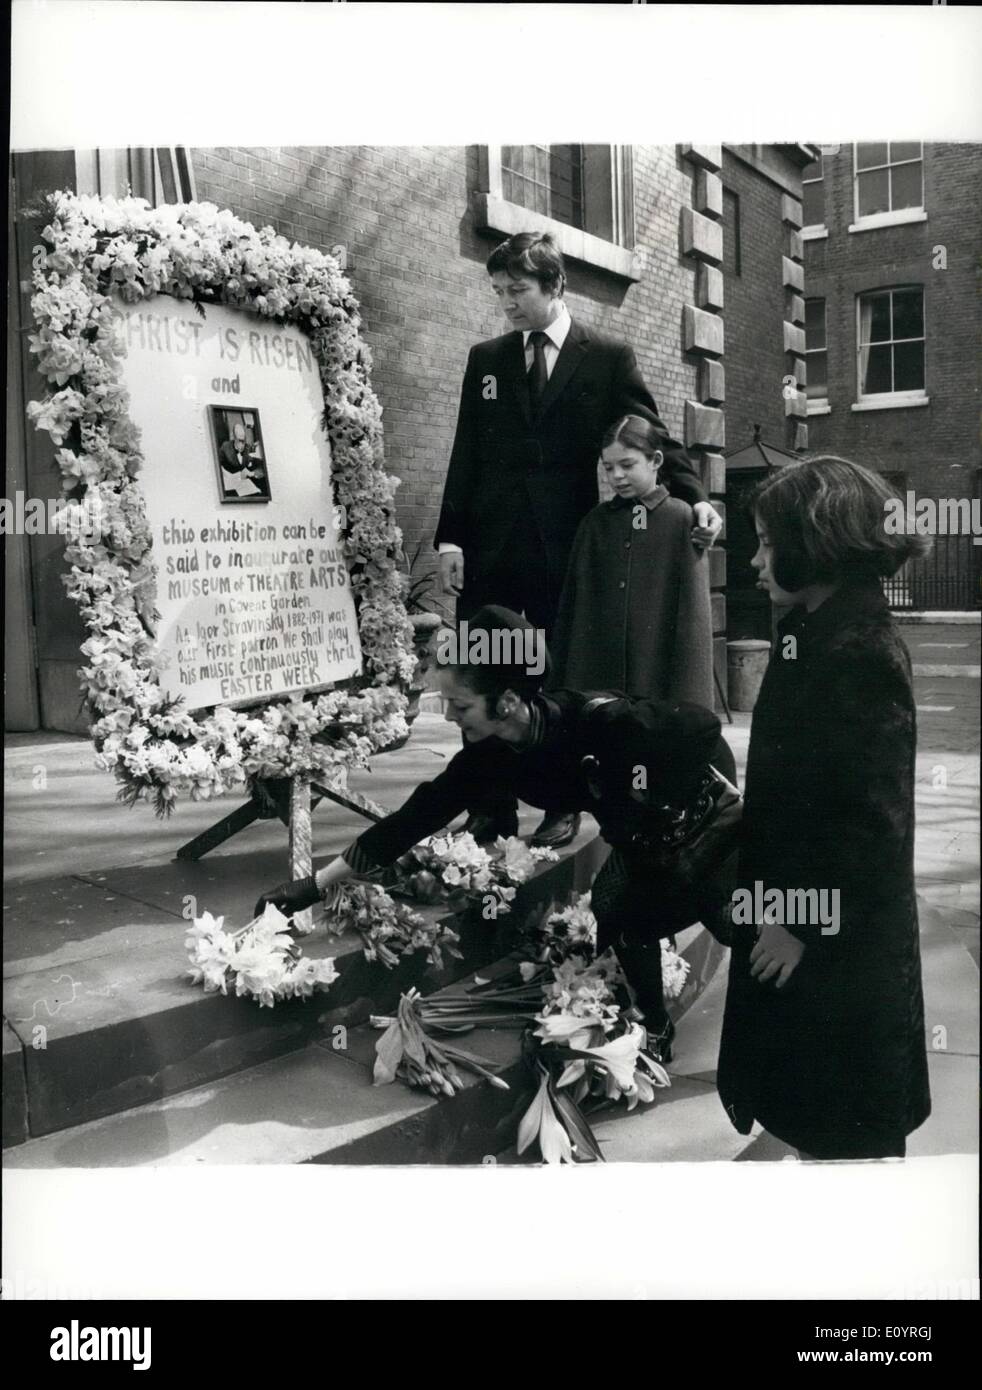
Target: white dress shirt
556	334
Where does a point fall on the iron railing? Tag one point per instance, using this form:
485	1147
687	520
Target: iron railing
949	578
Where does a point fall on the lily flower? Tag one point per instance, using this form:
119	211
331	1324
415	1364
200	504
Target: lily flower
620	1056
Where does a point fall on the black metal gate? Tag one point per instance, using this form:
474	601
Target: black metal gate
949	578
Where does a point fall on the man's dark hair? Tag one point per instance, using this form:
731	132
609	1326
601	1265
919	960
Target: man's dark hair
825	519
531	254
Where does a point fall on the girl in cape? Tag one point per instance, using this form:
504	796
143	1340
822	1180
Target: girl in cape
635	614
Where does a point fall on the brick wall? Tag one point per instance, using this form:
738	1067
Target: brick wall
754	311
417	267
938	445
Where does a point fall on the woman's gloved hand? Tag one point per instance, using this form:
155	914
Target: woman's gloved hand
290	897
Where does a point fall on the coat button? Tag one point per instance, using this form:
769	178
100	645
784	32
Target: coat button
627	545
622	584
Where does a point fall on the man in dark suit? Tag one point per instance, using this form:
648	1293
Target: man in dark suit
523	471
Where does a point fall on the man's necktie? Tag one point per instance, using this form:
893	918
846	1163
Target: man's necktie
538	376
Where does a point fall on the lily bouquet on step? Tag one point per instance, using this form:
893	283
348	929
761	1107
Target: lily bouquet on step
587	1050
261	959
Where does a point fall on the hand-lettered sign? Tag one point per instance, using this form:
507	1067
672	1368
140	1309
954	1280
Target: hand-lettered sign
252	584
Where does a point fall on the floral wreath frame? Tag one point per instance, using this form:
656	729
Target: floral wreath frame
95	248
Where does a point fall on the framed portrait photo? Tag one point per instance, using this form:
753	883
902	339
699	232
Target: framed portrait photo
240	454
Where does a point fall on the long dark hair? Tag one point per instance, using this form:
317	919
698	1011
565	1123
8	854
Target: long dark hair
825	521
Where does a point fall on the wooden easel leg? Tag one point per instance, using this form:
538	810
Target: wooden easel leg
221	831
352	801
301	854
271	799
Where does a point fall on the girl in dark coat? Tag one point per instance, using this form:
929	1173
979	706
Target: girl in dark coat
635	617
823	1033
634	613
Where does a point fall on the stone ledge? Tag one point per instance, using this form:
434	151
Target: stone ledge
701	237
712	382
138	1030
708	196
709	287
704	426
794	338
703	331
317	1105
793	274
705	156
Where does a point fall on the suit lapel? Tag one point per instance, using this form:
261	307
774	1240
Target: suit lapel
571	354
515	378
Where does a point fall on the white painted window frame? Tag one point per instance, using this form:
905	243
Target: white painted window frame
820	403
889	400
499	214
814	231
900	217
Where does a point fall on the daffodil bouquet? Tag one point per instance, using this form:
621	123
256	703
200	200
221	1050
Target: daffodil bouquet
561	932
388	930
455	869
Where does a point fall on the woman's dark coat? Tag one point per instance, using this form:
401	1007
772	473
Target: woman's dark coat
835	1061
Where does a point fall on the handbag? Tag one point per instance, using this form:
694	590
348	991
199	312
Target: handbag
695	841
688	844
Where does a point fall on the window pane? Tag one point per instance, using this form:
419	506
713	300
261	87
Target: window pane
908	367
874	192
512	186
868	156
817	388
900	149
908	314
813	204
540	172
905	184
168	183
566	183
598	191
815	323
876	312
877	377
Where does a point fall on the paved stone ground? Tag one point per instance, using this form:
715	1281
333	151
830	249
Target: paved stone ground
62	823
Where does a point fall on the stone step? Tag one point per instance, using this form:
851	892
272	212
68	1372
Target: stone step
316	1104
112	1021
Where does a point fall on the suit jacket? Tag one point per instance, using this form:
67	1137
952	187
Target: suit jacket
233	461
505	458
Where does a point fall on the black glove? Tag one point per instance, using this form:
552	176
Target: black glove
290	897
